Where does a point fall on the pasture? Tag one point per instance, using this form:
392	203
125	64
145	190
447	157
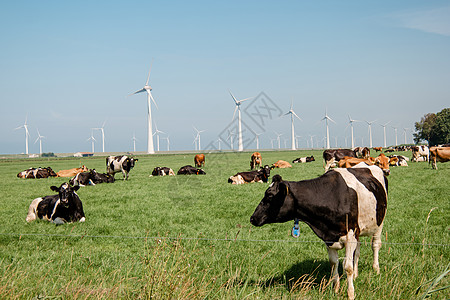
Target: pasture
189	237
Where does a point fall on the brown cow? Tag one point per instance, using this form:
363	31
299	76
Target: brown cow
256	160
382	161
281	164
348	162
378	149
199	160
72	172
439	154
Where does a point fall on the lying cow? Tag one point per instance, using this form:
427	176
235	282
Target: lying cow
64	207
378	149
37	173
362	152
255	160
262	175
162	171
304	159
281	164
439	154
331	156
199	160
72	172
420	151
91	178
398	160
190	170
339	206
382	161
121	163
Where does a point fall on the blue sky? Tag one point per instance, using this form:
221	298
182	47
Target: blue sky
68	67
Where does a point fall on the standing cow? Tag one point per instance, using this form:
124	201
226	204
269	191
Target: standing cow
255	160
64	207
339	206
121	163
199	160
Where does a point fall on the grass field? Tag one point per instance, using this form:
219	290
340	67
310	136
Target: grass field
189	237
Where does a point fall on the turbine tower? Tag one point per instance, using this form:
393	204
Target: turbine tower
103	135
257	140
238	108
293	114
168	142
278	139
147	88
198	138
157	132
404	133
134	139
395	130
384	132
92	139
326	118
350	121
39	138
27	134
370	132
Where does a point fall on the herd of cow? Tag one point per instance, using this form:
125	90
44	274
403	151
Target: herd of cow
340	206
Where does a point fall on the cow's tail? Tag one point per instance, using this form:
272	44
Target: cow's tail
31	216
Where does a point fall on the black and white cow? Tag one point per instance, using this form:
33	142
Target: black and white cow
190	170
121	163
162	171
304	159
101	177
37	173
339	206
262	175
91	178
64	207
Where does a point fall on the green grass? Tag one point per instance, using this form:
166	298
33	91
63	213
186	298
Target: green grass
189	237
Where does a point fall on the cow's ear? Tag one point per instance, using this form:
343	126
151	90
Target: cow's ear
75	188
54	188
283	188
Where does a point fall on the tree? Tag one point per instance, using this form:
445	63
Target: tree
434	128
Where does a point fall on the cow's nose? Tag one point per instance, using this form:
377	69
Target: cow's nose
252	219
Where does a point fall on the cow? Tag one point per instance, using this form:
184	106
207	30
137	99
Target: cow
339	206
63	207
199	160
255	160
262	175
91	178
121	163
348	162
162	171
420	151
72	172
190	170
378	149
331	156
362	152
439	154
304	159
281	164
37	173
398	160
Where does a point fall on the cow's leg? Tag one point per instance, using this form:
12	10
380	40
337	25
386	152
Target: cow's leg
31	216
350	248
376	245
356	260
125	175
434	165
334	261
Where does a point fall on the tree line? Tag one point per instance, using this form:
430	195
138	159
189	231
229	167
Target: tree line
434	128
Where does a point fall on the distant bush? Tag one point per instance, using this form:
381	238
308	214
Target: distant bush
48	154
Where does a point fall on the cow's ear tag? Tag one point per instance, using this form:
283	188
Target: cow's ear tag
295	232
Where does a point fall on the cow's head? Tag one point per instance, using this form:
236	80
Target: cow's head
201	172
51	172
265	173
311	158
276	206
84	168
131	162
382	161
66	192
156	171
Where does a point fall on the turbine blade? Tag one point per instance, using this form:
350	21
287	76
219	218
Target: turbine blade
140	91
234	114
245	99
151	97
148	77
234	98
296	116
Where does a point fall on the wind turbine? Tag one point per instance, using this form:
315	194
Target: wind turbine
157	132
278	139
312	143
296	140
257	139
27	134
384	132
395	130
370	132
195	142
219	140
198	137
103	135
39	138
93	140
238	108
231	134
293	114
404	132
326	118
134	139
350	121
147	88
168	142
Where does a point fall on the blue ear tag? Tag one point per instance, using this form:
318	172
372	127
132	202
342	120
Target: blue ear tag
296	229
